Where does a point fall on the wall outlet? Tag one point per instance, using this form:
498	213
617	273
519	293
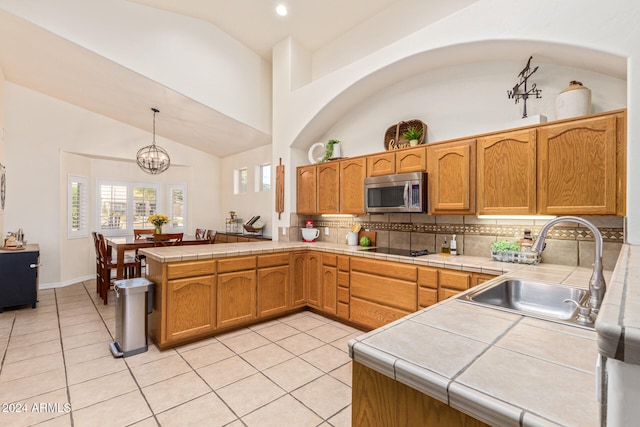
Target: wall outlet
284	231
326	231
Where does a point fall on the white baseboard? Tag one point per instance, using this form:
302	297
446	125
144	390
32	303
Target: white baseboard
66	282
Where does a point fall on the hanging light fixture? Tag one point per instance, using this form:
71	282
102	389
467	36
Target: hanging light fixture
153	159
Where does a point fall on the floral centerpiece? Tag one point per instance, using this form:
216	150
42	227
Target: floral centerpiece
158	220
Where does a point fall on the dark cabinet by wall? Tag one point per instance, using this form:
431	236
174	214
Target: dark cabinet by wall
19	277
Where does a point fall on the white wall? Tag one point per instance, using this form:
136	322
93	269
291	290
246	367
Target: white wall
190	56
597	36
251	203
465	100
40	131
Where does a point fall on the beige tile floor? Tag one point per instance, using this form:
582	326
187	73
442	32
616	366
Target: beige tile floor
56	370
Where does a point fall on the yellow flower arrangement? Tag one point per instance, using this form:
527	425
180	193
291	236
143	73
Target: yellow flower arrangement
158	220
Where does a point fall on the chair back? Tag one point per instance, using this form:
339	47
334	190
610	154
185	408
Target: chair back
211	236
201	233
169	239
141	233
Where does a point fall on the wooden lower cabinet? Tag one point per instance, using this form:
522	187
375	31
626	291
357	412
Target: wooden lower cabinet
451	283
273	290
313	282
236	298
191	307
427	286
297	279
196	299
381	291
379	401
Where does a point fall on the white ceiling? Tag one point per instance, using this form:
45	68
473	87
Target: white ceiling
40	60
313	23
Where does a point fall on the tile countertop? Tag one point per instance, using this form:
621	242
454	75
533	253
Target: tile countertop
499	367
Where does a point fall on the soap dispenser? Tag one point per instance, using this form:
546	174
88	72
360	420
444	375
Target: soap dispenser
453	248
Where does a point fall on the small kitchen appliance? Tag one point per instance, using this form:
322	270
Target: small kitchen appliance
309	223
310	234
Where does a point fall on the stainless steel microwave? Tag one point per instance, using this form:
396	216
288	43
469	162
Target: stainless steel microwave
406	192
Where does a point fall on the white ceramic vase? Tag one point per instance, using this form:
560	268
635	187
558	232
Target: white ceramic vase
573	101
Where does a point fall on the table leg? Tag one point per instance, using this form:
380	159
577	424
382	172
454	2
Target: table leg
120	262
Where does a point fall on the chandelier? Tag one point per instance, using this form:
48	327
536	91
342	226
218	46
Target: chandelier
153	159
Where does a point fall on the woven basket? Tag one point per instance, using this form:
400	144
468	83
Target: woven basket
393	138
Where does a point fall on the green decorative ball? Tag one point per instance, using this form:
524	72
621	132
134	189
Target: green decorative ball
365	241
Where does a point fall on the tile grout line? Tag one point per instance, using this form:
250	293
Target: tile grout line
125	362
64	360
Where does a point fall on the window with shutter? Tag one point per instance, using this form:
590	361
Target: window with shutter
177	206
77	208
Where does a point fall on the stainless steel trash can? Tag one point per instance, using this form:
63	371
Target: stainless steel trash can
133	303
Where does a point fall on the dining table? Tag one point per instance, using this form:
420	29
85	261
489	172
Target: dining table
121	244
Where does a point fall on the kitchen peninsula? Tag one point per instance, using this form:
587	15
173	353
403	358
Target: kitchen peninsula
501	368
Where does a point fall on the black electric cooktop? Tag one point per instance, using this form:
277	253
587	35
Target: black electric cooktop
397	251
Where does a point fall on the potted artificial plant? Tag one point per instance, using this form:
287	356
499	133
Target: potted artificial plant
413	135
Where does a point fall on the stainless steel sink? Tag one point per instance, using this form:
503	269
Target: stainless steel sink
535	299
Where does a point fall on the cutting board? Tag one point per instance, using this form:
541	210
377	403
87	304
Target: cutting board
370	234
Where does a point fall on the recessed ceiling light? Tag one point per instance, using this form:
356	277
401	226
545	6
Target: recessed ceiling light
281	10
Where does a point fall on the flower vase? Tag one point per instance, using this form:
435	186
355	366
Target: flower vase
158	229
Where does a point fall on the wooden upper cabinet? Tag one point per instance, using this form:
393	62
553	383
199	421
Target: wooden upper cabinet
577	167
328	188
452	177
507	173
306	189
352	175
411	160
381	164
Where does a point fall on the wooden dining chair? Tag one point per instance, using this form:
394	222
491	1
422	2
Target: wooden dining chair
168	239
211	236
142	233
201	233
104	265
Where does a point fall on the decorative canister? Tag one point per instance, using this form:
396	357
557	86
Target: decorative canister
574	101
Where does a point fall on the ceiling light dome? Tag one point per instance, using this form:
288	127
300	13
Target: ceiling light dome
281	10
153	159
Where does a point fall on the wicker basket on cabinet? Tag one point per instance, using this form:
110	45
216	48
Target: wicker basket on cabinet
393	138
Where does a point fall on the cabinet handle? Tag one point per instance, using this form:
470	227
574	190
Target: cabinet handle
33	265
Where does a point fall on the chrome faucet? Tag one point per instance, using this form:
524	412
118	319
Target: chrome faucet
597	286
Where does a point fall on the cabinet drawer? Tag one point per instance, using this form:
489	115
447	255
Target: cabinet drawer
343	263
428	277
272	260
329	260
372	314
427	297
455	280
191	269
237	264
444	293
394	270
383	290
343	294
343	278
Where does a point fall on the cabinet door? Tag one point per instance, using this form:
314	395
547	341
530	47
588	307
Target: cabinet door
273	290
451	175
452	283
507	174
312	282
306	189
352	175
191	307
329	289
329	188
411	160
381	164
577	167
236	297
297	279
